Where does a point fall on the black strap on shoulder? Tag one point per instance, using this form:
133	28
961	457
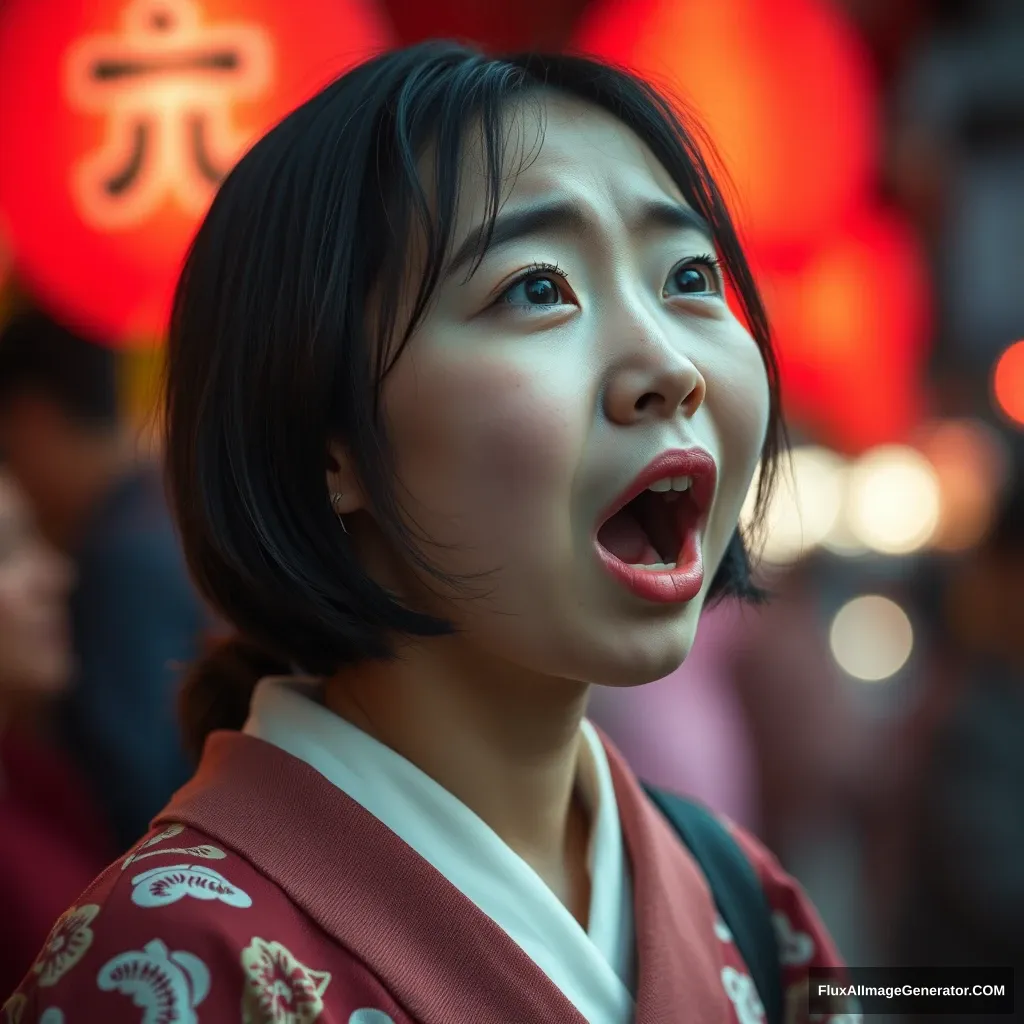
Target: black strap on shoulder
736	889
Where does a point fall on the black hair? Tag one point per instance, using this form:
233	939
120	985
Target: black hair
272	354
41	355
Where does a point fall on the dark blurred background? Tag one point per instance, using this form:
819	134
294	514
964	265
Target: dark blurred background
868	724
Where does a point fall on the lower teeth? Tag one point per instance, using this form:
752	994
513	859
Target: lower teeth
654	566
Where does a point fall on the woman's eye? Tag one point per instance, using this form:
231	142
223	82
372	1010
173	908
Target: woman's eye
695	277
535	290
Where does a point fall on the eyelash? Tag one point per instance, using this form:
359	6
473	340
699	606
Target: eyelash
713	263
534	270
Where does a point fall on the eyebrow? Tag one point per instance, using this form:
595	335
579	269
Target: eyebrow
561	215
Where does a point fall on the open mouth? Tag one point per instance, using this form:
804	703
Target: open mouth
650	531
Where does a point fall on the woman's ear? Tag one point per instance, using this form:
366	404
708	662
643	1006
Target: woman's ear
343	487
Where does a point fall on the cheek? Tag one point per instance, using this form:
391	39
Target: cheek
484	446
738	403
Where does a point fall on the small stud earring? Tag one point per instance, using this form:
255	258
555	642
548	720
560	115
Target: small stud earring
335	498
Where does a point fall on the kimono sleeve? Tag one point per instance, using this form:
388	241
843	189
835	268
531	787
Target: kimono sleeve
804	942
186	932
101	962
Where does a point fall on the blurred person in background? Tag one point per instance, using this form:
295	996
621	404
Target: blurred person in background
965	901
757	724
809	736
814	751
689	732
52	844
135	615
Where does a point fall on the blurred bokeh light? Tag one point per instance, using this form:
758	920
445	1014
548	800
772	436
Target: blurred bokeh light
1008	383
871	638
971	463
894	500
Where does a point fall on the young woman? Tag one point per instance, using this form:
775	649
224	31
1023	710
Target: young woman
459	424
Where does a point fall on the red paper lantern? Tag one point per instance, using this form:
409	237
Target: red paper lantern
783	88
118	119
504	26
852	327
6	254
6	265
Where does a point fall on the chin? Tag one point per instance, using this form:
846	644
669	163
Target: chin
635	654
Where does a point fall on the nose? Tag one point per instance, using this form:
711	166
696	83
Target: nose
656	382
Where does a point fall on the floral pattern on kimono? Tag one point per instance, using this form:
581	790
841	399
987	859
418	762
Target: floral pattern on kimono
66	944
279	989
318	914
178	944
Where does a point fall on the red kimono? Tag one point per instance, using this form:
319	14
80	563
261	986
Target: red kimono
266	895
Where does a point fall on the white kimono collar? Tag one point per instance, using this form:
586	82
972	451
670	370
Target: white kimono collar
594	969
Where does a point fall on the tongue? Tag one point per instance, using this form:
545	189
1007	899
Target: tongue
626	539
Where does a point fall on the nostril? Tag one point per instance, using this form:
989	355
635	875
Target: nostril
644	401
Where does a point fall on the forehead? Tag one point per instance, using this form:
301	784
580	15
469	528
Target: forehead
560	145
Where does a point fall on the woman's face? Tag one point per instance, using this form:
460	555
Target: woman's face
35	655
592	340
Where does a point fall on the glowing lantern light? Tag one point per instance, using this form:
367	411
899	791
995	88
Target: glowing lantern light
784	89
842	541
894	500
871	638
6	263
971	464
852	327
1008	383
6	253
805	506
120	117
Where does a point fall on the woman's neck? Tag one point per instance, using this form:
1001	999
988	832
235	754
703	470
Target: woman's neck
505	745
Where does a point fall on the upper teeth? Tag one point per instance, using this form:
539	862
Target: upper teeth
672	483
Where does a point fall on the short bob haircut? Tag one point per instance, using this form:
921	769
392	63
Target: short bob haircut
272	356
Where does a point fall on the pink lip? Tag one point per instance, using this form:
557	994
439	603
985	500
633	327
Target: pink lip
685	581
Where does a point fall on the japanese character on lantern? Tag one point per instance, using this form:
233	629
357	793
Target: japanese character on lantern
166	86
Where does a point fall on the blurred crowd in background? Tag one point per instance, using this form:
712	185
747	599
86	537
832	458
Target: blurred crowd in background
868	723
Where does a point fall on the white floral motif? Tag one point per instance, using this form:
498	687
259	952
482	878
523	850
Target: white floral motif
795	948
14	1008
741	990
797	997
278	988
67	943
166	986
163	886
52	1016
204	850
168	833
796	1008
722	930
796	1002
368	1016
